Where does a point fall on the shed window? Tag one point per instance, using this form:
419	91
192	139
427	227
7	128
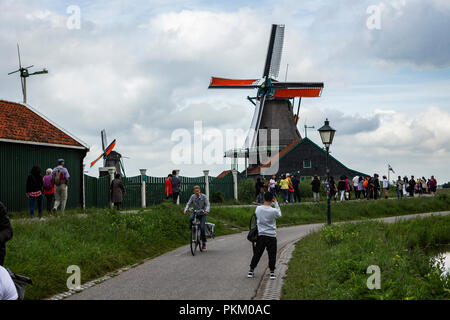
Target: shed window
306	164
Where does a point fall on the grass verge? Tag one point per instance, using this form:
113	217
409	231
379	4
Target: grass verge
332	263
294	214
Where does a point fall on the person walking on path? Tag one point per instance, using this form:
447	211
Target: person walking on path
168	188
315	187
405	186
34	190
433	185
284	185
117	190
6	232
360	188
273	185
295	184
376	186
60	178
341	188
266	216
49	189
176	186
412	186
355	182
200	202
333	189
385	187
399	187
423	181
347	188
258	185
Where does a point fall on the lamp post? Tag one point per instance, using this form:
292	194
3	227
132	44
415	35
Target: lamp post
327	134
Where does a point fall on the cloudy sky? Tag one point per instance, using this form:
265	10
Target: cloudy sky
140	69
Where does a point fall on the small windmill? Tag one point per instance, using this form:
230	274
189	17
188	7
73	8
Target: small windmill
24	74
273	108
111	158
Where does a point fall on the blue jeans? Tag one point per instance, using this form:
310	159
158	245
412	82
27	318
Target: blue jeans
285	194
399	193
202	220
39	203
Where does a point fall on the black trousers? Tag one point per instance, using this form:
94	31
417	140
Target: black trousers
175	196
262	243
49	198
296	194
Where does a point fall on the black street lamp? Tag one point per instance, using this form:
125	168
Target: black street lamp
327	134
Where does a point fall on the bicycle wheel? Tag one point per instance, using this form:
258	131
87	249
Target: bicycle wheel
199	238
193	239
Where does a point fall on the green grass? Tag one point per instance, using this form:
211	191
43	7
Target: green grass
332	263
99	243
294	214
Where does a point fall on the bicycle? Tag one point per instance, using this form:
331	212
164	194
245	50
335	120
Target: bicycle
196	232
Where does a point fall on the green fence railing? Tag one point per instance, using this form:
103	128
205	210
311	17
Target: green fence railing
97	190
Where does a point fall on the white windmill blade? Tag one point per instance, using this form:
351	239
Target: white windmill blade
104	141
277	51
250	141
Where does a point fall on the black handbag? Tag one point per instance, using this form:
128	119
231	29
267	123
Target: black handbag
20	282
253	233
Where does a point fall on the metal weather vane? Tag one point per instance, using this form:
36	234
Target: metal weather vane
24	74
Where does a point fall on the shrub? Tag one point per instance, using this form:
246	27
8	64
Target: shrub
246	190
218	197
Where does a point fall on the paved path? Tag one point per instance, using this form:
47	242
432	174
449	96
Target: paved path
219	273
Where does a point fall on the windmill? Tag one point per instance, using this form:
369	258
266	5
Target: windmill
273	107
24	74
111	158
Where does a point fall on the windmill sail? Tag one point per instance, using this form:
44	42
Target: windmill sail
250	141
274	51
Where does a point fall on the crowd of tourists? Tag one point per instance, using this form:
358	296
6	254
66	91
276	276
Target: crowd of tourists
53	185
362	187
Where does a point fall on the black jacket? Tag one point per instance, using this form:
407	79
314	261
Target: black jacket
315	185
341	185
6	232
34	183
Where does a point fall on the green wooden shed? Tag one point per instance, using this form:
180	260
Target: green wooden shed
28	138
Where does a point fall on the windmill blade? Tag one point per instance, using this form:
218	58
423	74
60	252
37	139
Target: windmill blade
104	142
223	83
99	157
297	89
250	140
274	51
110	148
18	53
106	152
293	85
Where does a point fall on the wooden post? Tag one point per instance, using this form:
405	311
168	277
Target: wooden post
206	173
235	187
143	178
111	172
179	195
83	188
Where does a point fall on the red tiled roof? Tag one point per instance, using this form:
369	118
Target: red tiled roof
224	174
18	122
274	158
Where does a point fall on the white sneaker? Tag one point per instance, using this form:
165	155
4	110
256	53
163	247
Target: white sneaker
272	276
250	274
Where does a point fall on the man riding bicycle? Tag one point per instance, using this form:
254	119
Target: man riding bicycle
200	203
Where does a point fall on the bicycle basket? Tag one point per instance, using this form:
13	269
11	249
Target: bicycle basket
209	230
